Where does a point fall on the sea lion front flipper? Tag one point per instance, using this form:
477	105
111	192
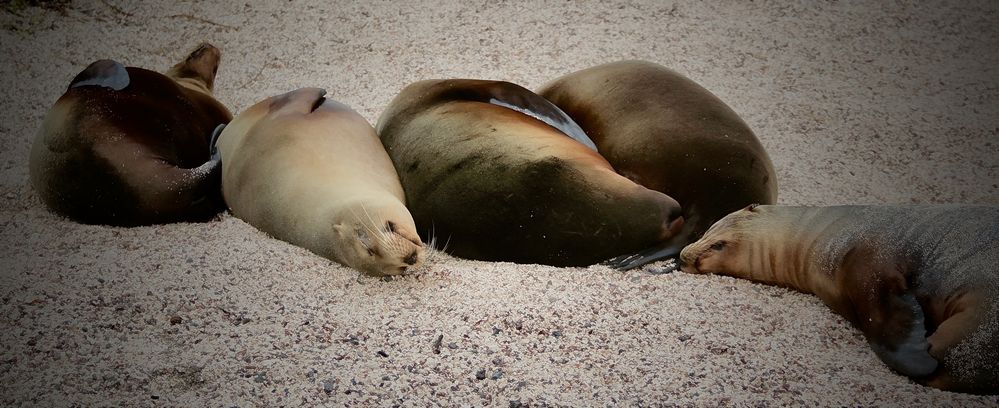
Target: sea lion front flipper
214	151
879	301
523	100
105	73
646	256
911	355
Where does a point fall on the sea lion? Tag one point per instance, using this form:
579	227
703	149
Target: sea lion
128	146
667	133
311	171
895	272
501	174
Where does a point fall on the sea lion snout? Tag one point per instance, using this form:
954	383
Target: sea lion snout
411	258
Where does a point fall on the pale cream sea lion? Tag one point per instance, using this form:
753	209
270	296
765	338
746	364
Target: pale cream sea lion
129	146
921	282
312	172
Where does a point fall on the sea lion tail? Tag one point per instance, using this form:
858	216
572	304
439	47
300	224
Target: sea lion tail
659	252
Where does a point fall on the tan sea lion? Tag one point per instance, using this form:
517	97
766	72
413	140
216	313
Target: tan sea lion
129	146
669	134
311	171
501	174
895	272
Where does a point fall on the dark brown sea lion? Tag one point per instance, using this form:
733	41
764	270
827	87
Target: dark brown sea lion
669	134
896	273
500	174
311	171
129	146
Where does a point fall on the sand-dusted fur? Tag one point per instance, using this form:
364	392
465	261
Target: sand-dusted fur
129	146
312	172
669	134
898	273
500	184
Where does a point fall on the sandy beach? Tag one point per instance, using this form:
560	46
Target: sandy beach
856	104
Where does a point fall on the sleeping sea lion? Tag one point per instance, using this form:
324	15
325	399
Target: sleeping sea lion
311	171
129	146
921	282
501	174
667	133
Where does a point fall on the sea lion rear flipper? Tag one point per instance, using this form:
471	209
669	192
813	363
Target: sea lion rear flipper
882	306
105	73
646	256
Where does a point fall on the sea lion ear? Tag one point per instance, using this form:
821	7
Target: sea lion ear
105	73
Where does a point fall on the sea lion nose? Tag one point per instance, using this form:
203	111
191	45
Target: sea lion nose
411	259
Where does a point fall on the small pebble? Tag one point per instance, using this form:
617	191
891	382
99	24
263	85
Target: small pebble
481	374
436	345
382	353
174	320
497	374
260	378
328	386
452	346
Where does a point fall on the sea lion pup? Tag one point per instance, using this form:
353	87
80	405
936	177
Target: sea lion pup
500	174
129	146
667	133
311	171
896	273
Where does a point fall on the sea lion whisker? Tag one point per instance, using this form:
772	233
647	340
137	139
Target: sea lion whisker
376	232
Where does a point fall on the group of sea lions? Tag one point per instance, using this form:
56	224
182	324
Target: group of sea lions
627	160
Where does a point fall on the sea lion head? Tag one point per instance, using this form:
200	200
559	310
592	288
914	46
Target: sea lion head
377	239
197	71
725	248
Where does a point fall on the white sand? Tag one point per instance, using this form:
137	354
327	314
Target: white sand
891	103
